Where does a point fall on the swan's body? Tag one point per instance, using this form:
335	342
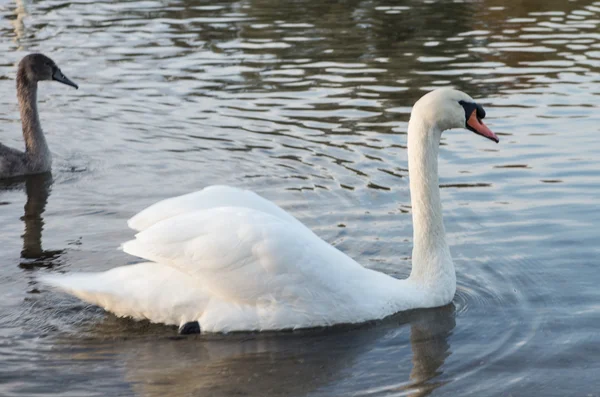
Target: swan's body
37	157
233	261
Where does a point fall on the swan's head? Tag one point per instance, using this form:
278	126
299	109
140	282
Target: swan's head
446	108
38	67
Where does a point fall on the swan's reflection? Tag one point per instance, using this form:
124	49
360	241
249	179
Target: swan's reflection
37	187
285	364
429	333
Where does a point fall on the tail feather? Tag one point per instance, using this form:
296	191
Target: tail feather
149	290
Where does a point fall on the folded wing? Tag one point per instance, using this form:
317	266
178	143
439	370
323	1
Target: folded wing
247	256
207	198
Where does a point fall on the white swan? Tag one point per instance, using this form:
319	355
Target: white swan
225	259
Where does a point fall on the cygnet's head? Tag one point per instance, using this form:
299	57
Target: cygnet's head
38	67
446	108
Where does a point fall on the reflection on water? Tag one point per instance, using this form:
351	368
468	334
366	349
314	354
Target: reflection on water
37	189
307	103
19	14
297	363
429	341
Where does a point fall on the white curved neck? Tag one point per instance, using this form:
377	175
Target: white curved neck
431	260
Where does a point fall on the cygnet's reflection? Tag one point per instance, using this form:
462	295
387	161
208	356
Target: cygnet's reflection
37	187
361	360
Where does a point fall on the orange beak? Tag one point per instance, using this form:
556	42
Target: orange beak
478	127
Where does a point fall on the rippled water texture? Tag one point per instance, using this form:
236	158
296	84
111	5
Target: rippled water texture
307	103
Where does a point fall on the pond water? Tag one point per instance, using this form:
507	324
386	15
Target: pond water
307	103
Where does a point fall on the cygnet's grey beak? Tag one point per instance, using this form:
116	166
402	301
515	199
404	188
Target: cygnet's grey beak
60	77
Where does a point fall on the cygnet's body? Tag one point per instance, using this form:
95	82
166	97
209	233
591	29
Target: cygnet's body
37	157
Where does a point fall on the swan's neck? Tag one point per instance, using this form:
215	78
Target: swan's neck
431	261
36	149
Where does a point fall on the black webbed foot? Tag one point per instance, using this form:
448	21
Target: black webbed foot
189	328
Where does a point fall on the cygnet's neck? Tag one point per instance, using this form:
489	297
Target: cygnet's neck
38	154
431	261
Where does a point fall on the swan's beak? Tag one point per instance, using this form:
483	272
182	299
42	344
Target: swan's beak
477	126
61	78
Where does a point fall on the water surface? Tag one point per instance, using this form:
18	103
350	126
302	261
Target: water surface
307	103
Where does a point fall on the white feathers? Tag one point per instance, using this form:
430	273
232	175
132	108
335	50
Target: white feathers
235	269
210	197
141	291
234	261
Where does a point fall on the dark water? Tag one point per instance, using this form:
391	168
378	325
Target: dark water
307	103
